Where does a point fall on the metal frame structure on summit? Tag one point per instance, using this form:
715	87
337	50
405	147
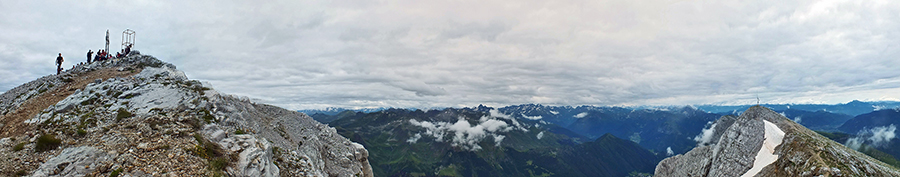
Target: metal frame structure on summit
127	38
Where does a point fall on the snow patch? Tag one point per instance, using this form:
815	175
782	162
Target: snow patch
669	151
766	156
540	135
554	112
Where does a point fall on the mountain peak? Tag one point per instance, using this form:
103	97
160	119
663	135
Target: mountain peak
139	116
741	145
606	137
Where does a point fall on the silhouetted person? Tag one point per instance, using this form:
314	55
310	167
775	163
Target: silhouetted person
102	56
89	56
59	61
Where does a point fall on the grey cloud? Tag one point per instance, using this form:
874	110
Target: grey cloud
314	54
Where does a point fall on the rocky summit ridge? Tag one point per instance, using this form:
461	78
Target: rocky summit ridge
733	143
139	116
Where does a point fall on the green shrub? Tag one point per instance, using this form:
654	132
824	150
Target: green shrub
116	172
89	101
46	143
123	114
81	132
193	122
113	93
209	118
239	132
212	152
219	163
204	148
19	146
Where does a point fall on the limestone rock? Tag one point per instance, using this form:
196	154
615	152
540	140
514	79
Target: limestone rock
255	155
139	116
801	153
74	161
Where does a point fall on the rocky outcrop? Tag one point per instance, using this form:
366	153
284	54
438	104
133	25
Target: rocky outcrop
138	116
736	141
254	155
801	153
736	150
75	161
317	149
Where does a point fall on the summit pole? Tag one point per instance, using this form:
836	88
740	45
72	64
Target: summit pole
107	41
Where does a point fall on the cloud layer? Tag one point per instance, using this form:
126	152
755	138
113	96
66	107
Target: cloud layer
877	137
316	54
464	135
706	134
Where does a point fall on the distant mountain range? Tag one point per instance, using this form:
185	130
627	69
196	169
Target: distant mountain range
335	111
567	141
851	108
484	142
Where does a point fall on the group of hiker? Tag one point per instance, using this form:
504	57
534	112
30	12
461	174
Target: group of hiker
102	55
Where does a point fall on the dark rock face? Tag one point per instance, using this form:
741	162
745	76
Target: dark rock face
802	152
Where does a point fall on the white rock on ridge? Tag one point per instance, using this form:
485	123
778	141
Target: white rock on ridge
75	161
15	97
255	155
319	149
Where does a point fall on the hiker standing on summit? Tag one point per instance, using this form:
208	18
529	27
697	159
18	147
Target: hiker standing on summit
89	56
59	61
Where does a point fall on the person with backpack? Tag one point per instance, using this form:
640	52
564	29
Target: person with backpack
89	56
59	61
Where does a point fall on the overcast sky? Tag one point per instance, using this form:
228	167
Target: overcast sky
316	54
